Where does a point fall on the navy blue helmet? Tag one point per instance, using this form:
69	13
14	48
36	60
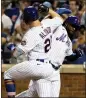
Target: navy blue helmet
30	14
73	20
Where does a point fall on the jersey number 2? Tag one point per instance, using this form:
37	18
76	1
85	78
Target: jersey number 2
47	45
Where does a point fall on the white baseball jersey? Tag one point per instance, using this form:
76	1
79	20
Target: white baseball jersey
61	46
37	41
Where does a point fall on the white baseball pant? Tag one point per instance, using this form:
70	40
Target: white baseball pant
29	69
49	87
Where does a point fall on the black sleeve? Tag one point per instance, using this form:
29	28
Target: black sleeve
72	57
77	53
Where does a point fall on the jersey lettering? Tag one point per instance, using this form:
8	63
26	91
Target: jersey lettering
47	44
61	38
45	33
68	42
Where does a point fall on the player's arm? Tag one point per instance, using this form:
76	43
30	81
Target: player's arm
75	55
16	51
72	55
53	14
26	45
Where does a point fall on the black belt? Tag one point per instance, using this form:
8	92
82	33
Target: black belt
55	67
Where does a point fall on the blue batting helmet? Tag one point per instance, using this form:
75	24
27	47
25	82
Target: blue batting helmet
47	4
30	14
73	20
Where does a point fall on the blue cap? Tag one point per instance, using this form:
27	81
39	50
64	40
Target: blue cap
30	14
73	20
47	4
63	11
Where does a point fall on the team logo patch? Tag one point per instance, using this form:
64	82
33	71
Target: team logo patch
23	43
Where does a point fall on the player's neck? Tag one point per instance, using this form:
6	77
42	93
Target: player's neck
35	24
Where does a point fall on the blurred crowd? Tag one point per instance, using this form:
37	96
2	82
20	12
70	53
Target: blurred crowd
13	29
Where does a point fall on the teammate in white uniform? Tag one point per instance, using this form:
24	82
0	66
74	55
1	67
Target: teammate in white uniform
37	44
61	46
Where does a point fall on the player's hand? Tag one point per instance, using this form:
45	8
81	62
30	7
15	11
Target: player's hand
43	9
78	52
11	46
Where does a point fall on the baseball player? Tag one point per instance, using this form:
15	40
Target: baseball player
60	48
57	54
36	42
72	24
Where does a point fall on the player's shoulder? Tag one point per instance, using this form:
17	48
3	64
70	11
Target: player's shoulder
62	29
56	21
33	33
48	19
27	35
45	22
